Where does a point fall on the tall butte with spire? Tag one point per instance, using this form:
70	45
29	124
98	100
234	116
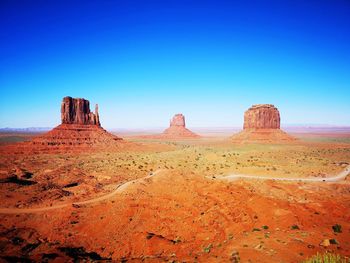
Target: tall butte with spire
262	124
79	129
77	111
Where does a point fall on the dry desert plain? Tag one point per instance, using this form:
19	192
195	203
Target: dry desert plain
176	200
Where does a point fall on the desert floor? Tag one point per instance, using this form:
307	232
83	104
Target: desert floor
168	201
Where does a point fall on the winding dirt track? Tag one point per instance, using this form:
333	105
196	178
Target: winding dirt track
338	177
120	188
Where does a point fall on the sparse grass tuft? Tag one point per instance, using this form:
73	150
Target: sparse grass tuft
326	258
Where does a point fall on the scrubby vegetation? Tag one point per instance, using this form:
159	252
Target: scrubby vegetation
327	258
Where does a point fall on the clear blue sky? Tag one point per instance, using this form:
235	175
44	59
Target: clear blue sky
144	61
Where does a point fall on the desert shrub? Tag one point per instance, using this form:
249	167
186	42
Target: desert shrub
326	258
208	248
333	241
336	228
294	227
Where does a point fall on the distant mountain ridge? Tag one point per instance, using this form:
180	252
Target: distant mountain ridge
28	129
289	127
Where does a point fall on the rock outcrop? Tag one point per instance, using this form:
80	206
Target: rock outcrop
262	124
262	116
77	111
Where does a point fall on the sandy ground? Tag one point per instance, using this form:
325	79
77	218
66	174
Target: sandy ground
182	213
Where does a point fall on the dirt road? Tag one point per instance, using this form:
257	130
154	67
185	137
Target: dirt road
338	177
120	188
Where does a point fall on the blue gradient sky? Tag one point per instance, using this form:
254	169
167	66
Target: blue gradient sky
144	61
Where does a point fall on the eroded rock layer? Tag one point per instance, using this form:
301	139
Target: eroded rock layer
76	135
262	136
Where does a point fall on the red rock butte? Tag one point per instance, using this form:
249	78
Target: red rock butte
177	129
262	124
80	129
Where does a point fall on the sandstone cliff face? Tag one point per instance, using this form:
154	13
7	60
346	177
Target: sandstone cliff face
262	116
77	111
178	120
